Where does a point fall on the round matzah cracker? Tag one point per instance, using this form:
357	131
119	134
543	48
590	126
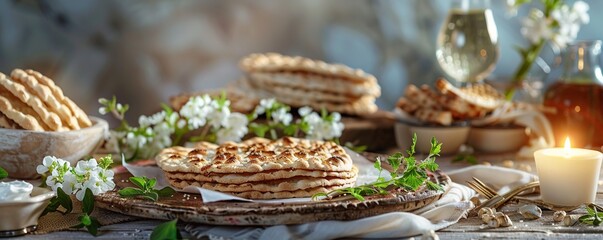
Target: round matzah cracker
260	176
290	184
257	156
51	119
315	83
19	112
274	62
46	95
81	116
275	195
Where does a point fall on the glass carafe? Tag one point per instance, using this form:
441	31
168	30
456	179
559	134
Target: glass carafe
577	97
467	44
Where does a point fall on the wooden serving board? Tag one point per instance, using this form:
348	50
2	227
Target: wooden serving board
190	208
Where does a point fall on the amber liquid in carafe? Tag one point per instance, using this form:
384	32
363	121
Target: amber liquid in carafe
579	113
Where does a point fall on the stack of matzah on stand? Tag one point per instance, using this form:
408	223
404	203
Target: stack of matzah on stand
260	168
299	82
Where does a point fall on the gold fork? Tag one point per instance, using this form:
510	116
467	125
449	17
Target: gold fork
499	200
488	192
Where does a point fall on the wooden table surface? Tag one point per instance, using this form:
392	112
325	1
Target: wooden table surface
470	228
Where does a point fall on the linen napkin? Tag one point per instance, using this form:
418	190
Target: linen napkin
443	213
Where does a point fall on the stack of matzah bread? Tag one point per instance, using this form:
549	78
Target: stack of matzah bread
31	101
259	168
449	103
299	82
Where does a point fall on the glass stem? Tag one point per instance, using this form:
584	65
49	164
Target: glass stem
528	57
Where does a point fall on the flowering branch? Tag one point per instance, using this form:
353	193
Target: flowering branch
87	179
216	123
558	23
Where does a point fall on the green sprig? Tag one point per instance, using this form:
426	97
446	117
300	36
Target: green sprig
3	173
593	217
145	189
412	177
166	230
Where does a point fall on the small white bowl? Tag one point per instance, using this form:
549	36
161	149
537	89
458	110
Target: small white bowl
451	137
22	151
20	217
497	139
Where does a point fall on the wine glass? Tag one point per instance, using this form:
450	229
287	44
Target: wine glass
467	44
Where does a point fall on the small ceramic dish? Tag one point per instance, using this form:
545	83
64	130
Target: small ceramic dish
497	139
22	151
451	137
19	217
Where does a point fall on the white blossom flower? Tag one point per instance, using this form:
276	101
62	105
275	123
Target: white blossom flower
83	167
196	111
536	27
265	104
281	115
323	129
102	110
304	111
135	140
70	184
512	7
75	180
234	129
181	123
218	117
569	21
145	121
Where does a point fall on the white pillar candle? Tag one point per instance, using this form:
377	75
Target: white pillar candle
568	176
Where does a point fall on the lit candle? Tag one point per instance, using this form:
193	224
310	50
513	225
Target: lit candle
568	176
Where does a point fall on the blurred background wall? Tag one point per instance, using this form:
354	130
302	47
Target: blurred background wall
144	51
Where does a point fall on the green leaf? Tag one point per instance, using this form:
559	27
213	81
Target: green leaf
64	200
377	164
357	196
165	192
52	206
429	164
166	230
168	110
259	129
434	186
291	129
85	219
435	147
151	196
395	160
411	150
151	184
93	227
590	211
139	181
3	173
465	157
88	202
319	195
413	181
130	192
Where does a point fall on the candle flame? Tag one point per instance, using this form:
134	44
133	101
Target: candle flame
567	147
